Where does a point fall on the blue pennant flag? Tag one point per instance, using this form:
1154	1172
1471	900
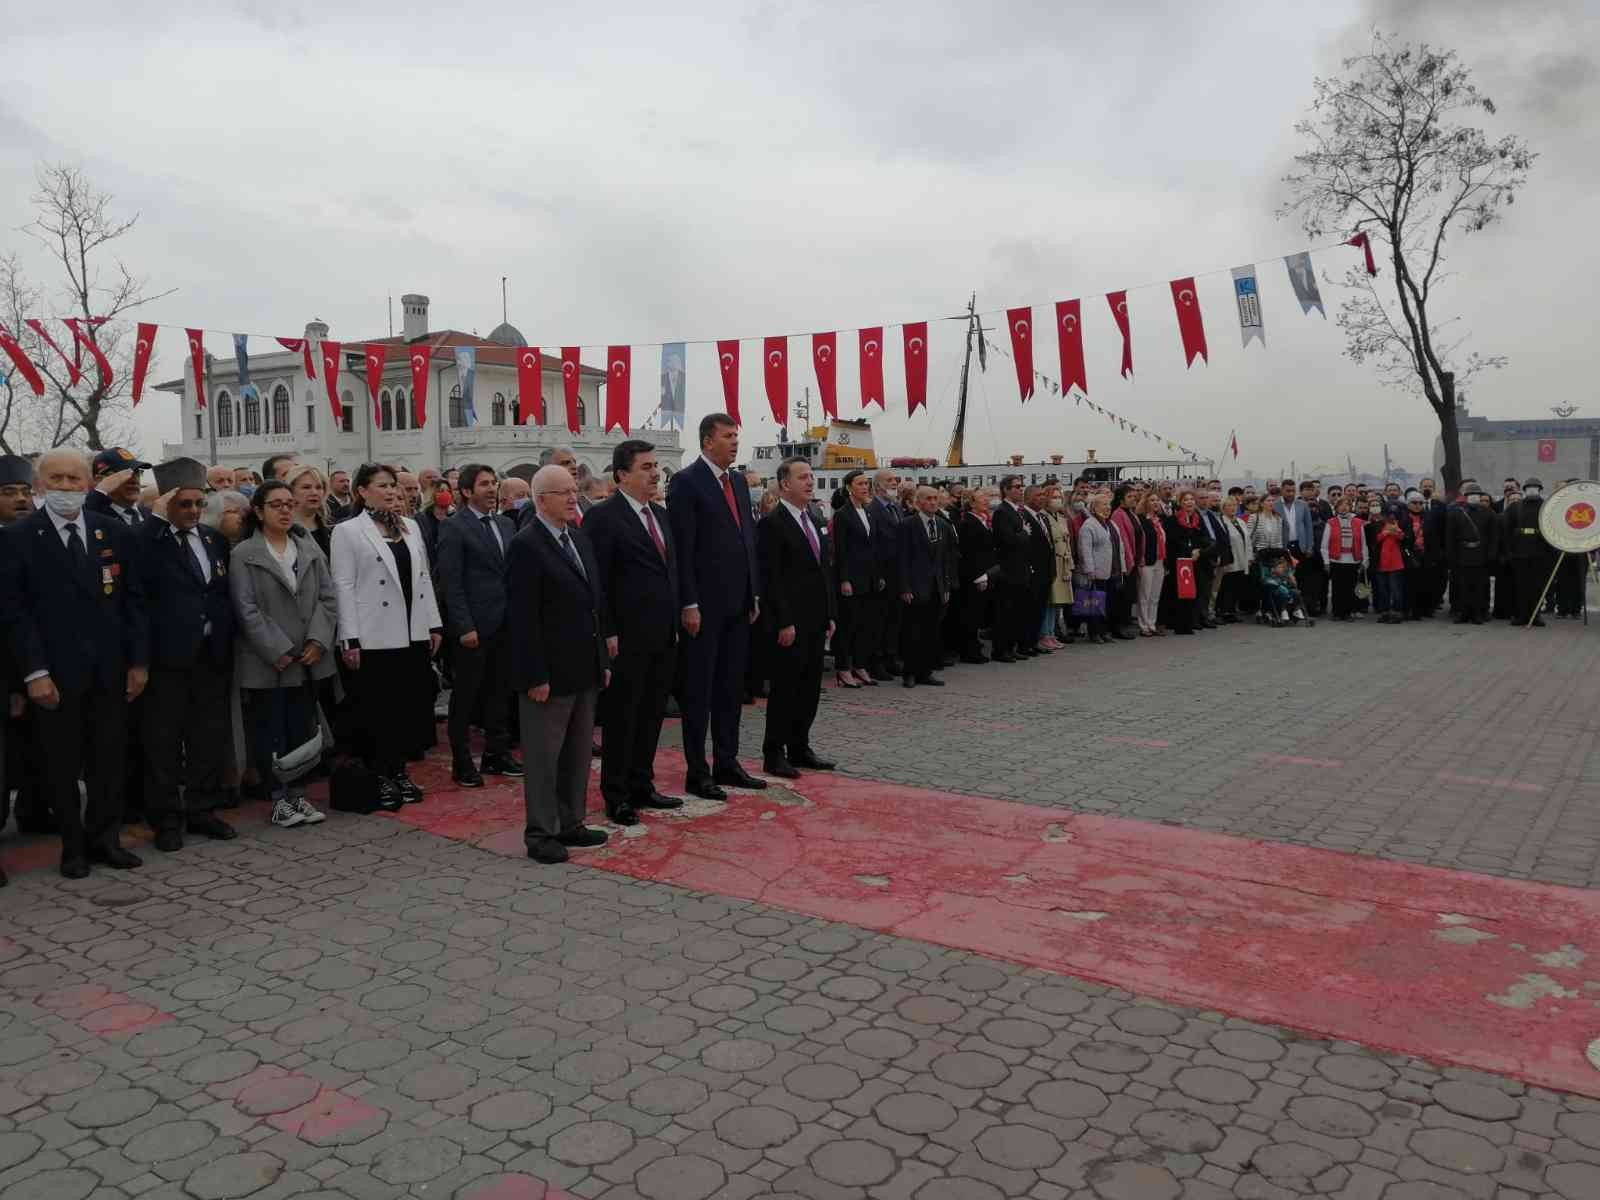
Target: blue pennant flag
241	356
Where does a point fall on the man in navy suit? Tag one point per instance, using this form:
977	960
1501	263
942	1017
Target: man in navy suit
472	570
920	581
185	717
719	599
638	560
75	609
886	515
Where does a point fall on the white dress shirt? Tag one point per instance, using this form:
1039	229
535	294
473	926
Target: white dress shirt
61	524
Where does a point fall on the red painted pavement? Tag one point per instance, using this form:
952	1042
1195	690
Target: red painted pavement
1391	955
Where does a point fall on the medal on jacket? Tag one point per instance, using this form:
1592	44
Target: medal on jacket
106	580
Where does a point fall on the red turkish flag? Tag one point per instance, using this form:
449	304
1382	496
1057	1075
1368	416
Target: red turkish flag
1185	584
302	347
1189	323
421	357
1119	313
824	357
375	353
144	343
1547	450
197	356
530	385
1021	322
73	373
728	362
330	377
1363	243
1069	334
618	376
23	363
571	371
775	365
872	366
84	341
915	338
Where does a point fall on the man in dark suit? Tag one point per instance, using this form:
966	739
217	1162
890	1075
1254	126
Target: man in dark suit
796	582
185	715
886	514
558	665
638	562
1012	540
719	599
472	572
75	609
117	484
1041	568
975	566
19	767
920	583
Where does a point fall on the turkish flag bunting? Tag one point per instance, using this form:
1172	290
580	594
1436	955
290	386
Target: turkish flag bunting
1069	333
19	357
872	366
421	357
330	377
84	341
144	343
530	385
301	346
1119	313
728	363
571	369
618	376
1362	242
197	356
376	352
1189	323
73	372
1021	322
824	356
775	363
915	337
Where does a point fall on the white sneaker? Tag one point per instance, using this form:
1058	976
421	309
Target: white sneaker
307	810
285	815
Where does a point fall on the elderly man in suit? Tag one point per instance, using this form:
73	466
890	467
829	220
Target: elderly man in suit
75	609
472	572
719	599
638	561
185	718
796	582
559	664
1012	543
920	582
886	514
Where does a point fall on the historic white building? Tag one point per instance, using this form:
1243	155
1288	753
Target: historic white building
291	414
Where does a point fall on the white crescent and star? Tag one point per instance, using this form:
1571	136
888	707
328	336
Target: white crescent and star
824	352
567	368
870	347
915	345
416	361
529	359
1069	322
1186	296
144	346
619	368
1122	307
775	358
1021	328
727	362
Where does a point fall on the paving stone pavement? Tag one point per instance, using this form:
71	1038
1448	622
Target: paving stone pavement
1473	748
365	1010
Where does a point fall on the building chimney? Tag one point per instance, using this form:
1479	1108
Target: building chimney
415	308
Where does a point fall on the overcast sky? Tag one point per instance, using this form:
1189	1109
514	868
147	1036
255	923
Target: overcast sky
644	175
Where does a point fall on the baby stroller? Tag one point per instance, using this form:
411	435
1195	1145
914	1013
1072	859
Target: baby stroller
1281	603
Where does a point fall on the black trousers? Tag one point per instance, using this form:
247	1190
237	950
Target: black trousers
1505	591
482	682
856	639
86	734
713	690
1530	575
1469	593
974	606
1312	575
22	774
633	704
187	727
389	691
796	688
1205	572
1343	577
1120	602
920	645
1571	581
888	645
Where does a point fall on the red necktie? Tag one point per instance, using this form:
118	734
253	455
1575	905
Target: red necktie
655	534
733	505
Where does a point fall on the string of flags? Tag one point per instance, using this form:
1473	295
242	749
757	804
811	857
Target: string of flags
326	359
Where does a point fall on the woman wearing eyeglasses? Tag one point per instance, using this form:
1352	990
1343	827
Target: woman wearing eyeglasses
389	626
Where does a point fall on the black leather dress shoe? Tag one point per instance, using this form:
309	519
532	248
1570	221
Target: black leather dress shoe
501	764
623	814
464	774
657	800
168	841
909	681
3	879
74	868
780	767
115	857
1005	658
974	658
737	776
547	850
930	681
1122	635
211	826
809	760
583	837
882	675
705	789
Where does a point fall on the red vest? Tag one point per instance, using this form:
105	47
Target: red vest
1338	544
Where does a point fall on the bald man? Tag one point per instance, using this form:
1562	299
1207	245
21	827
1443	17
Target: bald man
219	479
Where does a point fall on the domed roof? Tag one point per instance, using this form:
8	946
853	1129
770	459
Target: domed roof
507	334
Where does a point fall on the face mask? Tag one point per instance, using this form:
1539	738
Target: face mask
64	504
1057	505
247	490
1474	500
1375	509
1078	506
1531	493
520	503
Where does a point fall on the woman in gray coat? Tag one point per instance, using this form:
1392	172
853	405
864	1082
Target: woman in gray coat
1099	564
288	613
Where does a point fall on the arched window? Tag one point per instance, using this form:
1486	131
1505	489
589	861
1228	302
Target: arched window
583	413
252	414
280	410
347	404
458	412
386	407
224	403
497	412
402	418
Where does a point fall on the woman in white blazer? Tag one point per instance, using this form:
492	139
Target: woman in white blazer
389	626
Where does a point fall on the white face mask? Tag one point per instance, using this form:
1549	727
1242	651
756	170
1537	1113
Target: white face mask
1531	493
1474	500
64	504
1375	509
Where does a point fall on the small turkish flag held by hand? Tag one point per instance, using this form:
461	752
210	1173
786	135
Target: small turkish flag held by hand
145	340
571	369
421	356
530	385
1069	334
916	347
197	356
619	374
775	362
330	377
1021	322
1189	323
375	354
824	358
1185	584
728	364
872	366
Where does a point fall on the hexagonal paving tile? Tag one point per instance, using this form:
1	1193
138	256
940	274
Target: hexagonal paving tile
756	1127
852	1163
1018	1147
590	1143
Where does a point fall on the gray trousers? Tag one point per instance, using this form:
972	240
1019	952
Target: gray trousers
557	744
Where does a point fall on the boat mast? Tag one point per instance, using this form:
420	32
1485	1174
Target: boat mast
954	456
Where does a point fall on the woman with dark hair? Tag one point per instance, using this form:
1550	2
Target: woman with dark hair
283	595
855	571
389	626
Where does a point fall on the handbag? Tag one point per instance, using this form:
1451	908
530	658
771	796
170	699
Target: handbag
296	761
1088	602
1185	584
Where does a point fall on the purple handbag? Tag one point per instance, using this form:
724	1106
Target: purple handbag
1088	602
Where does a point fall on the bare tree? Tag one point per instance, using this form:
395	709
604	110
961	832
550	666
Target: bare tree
1390	156
73	221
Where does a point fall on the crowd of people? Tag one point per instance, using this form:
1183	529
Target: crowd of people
177	643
